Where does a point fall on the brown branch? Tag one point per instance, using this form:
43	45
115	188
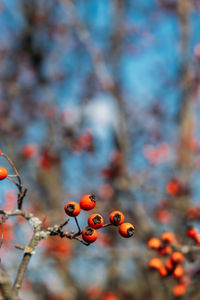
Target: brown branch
6	286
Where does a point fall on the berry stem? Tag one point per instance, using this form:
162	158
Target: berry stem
79	229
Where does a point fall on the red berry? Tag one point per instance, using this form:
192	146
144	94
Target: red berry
192	232
126	230
177	257
154	243
179	290
95	221
72	209
167	237
116	218
3	173
88	202
89	235
155	263
178	272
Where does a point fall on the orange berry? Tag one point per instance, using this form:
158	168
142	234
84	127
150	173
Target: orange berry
0	151
126	230
95	221
197	239
167	250
155	263
154	243
89	235
3	173
178	272
167	237
88	202
177	257
72	209
192	232
169	265
172	188
116	218
179	290
163	272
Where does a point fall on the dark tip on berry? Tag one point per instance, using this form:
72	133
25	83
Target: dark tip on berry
92	198
89	231
130	231
96	220
70	208
117	218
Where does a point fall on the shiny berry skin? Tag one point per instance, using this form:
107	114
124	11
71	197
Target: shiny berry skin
192	232
155	263
178	272
72	209
177	257
154	243
126	230
116	218
88	202
3	173
95	221
167	238
0	151
89	235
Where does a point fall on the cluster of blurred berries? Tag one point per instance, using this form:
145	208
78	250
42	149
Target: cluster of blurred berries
170	261
96	221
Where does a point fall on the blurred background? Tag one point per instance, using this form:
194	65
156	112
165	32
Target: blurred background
101	97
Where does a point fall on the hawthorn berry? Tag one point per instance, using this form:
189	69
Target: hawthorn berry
178	272
95	221
89	235
192	232
154	243
3	173
116	218
179	290
167	238
177	257
126	230
169	265
88	202
163	271
72	209
155	263
197	239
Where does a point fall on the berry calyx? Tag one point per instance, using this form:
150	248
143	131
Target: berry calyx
154	243
3	173
89	235
72	209
88	202
126	230
116	218
95	221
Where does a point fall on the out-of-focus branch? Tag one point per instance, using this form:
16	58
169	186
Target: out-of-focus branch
6	286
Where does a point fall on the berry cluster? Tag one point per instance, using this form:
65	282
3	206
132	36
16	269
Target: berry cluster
172	265
96	221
